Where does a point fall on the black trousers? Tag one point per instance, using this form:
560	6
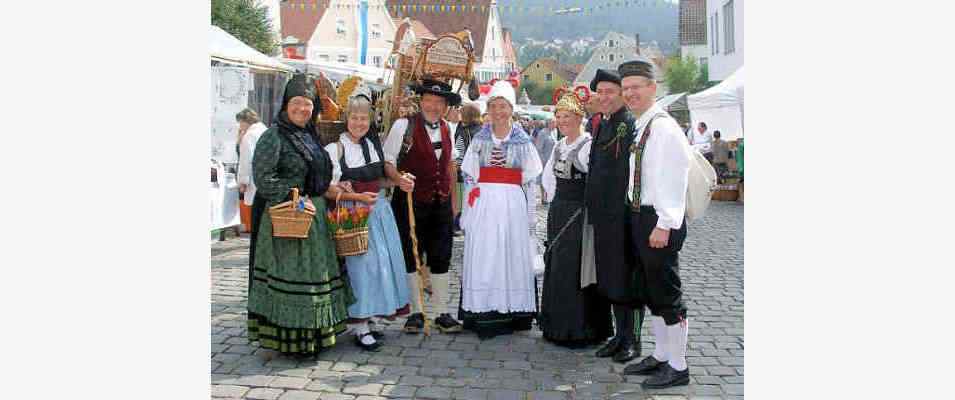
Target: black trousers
658	272
434	226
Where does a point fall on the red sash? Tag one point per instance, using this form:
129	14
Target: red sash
495	175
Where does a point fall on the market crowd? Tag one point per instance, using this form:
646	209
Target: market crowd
614	170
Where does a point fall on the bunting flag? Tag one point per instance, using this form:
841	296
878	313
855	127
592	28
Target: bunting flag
513	7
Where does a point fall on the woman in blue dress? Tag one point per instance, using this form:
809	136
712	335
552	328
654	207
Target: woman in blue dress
377	277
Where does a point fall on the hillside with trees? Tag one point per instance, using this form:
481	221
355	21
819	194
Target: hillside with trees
652	19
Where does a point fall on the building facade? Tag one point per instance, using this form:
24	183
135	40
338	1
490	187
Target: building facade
510	55
546	72
353	31
298	21
693	30
617	48
724	38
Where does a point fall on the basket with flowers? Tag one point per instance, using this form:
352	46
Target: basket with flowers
349	227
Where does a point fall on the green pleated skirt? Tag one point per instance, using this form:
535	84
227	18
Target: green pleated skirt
299	297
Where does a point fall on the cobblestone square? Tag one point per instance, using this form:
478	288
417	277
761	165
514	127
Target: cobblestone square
521	366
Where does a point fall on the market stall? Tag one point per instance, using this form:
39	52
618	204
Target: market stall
240	77
720	106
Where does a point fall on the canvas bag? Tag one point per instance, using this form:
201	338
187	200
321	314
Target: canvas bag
701	179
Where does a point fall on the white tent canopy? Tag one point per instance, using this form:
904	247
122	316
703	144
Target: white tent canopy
225	47
720	106
339	71
672	102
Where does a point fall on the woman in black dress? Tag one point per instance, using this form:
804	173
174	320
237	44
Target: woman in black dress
571	315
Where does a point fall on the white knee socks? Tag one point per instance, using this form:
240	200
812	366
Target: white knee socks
439	299
676	344
413	292
659	338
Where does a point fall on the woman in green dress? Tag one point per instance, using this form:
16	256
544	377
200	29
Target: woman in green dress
299	297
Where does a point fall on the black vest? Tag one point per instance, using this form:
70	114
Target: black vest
570	180
369	172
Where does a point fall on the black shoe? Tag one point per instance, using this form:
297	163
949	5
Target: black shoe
666	377
610	348
377	335
627	352
415	323
374	347
647	366
447	324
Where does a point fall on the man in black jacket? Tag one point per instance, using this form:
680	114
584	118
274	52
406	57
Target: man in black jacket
608	212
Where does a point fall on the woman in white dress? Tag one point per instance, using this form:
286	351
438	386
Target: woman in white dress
499	293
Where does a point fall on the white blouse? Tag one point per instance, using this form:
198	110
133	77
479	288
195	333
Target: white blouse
353	154
548	180
392	144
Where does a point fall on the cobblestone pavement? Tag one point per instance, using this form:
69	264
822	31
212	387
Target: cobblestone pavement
521	366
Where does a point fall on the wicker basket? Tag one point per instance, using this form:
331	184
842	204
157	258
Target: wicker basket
328	131
349	242
288	221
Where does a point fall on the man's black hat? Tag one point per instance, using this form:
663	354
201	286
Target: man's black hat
604	75
437	88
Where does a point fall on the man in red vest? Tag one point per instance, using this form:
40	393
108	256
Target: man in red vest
421	147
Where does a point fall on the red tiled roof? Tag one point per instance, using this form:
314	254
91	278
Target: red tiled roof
440	23
298	22
421	31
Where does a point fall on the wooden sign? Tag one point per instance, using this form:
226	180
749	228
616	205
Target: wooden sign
447	57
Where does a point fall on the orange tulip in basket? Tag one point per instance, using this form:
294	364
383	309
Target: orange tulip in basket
350	228
292	219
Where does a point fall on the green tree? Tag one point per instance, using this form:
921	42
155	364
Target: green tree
682	75
247	20
703	82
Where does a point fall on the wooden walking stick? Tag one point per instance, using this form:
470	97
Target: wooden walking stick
417	261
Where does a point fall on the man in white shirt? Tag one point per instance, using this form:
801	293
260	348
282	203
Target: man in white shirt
659	166
702	138
421	147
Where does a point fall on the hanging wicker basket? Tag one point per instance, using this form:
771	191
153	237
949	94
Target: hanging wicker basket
349	242
288	221
329	131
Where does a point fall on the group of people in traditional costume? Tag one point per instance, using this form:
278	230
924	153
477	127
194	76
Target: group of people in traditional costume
615	224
